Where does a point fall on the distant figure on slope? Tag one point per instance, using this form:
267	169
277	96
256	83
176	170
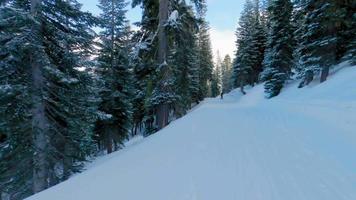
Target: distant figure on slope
222	95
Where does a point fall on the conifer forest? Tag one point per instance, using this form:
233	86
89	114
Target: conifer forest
76	86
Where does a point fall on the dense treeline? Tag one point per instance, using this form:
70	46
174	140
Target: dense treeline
279	40
68	93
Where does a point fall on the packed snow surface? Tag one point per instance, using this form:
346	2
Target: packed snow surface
298	146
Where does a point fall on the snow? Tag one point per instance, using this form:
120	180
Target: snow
104	116
173	19
300	145
69	80
174	16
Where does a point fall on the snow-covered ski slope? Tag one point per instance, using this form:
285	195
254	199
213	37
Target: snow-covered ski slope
298	146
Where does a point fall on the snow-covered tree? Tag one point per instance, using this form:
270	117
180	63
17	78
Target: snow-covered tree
226	70
162	95
216	82
349	31
326	30
49	120
351	47
143	62
113	67
205	57
279	54
251	39
183	28
298	17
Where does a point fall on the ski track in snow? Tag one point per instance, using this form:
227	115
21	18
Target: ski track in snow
293	147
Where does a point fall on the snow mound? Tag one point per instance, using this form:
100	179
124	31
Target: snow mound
298	146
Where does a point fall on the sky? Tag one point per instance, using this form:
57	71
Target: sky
222	16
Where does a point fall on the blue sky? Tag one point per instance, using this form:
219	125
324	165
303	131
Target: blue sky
222	16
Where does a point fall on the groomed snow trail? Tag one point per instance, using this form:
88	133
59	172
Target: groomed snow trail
299	146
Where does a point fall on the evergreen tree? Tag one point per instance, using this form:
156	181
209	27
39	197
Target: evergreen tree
251	39
226	69
162	95
279	55
351	53
143	60
258	42
15	112
325	34
204	57
113	127
241	68
216	82
183	26
298	17
48	121
349	30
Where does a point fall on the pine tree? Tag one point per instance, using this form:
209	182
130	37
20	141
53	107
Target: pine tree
204	57
162	94
143	61
113	127
251	39
16	153
351	53
242	68
226	69
279	55
53	120
183	28
258	42
205	60
323	40
298	17
216	82
349	30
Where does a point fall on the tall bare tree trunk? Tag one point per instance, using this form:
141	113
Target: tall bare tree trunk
162	111
39	120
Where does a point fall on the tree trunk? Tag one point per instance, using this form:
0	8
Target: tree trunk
162	35
108	142
324	73
162	110
39	120
242	85
162	115
67	160
52	179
